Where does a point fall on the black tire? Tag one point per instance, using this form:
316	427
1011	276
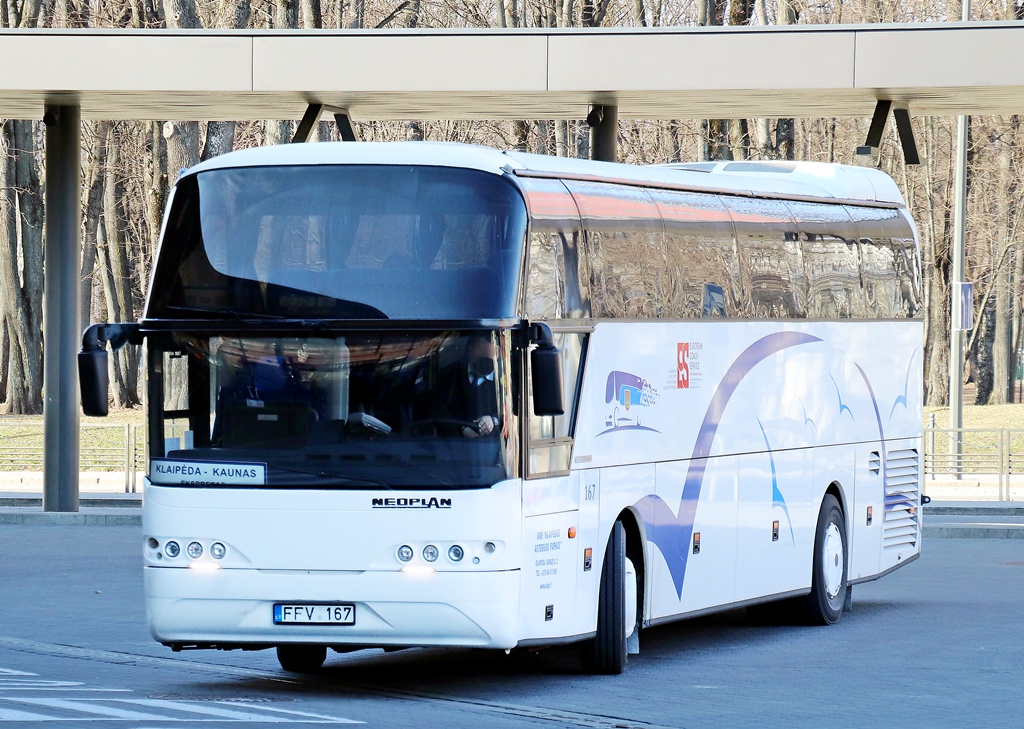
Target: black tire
605	653
824	604
301	658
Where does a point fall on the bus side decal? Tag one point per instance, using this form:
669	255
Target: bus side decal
670	531
777	498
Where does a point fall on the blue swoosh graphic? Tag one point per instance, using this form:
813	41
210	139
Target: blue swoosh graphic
842	405
671	532
777	499
906	385
806	419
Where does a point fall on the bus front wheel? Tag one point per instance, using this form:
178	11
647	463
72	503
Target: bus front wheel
301	658
824	604
605	653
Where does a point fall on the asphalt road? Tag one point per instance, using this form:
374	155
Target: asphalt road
939	643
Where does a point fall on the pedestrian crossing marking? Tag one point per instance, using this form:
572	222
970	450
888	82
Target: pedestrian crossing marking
81	708
81	705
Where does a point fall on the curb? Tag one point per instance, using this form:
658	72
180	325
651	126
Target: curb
933	510
100	503
70	518
972	532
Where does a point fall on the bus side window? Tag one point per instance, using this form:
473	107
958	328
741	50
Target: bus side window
551	437
890	269
700	255
556	281
771	266
624	244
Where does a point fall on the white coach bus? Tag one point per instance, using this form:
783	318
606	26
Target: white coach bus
422	394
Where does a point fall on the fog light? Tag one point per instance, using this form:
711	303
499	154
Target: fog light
489	547
405	553
430	553
172	549
218	550
455	553
195	550
153	544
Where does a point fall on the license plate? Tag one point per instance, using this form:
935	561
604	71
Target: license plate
311	614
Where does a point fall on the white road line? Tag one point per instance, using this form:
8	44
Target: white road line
12	672
203	709
85	708
15	715
84	690
332	719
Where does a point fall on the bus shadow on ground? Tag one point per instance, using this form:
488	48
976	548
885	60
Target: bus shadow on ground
447	671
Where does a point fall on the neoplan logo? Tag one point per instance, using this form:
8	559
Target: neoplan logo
403	503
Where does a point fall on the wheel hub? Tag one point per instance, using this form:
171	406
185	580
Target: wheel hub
834	561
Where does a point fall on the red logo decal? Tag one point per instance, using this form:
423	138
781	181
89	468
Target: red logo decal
683	365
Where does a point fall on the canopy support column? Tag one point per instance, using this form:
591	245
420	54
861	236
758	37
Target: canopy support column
901	113
604	132
62	329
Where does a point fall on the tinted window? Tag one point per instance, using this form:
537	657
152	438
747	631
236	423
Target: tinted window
624	248
344	241
557	278
771	267
700	255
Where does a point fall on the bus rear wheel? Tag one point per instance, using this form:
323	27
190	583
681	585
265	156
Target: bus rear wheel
301	658
824	604
605	653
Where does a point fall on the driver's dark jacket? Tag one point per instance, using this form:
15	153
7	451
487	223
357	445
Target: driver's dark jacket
461	397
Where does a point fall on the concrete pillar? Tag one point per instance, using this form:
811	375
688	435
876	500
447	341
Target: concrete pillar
62	331
604	133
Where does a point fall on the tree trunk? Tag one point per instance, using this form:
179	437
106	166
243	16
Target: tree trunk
5	358
1003	345
94	177
981	356
220	139
120	296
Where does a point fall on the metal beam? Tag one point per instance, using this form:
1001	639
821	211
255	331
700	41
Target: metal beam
61	309
345	129
604	132
903	127
905	130
309	120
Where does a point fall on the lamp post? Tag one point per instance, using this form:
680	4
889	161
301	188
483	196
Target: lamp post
956	323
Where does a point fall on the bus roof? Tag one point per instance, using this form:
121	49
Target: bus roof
799	180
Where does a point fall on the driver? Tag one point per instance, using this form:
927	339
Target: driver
469	389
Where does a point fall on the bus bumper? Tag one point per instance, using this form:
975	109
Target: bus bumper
234	608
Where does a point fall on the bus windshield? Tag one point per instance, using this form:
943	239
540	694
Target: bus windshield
359	410
341	242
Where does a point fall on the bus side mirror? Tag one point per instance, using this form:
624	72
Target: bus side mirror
546	373
93	380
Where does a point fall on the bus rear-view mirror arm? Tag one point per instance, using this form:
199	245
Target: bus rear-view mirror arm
546	372
93	379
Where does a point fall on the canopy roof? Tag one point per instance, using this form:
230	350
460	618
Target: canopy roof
807	71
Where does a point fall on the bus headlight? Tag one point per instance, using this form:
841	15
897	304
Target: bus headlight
430	553
455	553
405	553
218	550
172	549
195	550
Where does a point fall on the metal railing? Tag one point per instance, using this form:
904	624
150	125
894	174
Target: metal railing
110	448
992	452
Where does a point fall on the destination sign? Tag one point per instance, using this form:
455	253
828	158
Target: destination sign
171	472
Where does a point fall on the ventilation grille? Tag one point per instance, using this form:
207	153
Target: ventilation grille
902	482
